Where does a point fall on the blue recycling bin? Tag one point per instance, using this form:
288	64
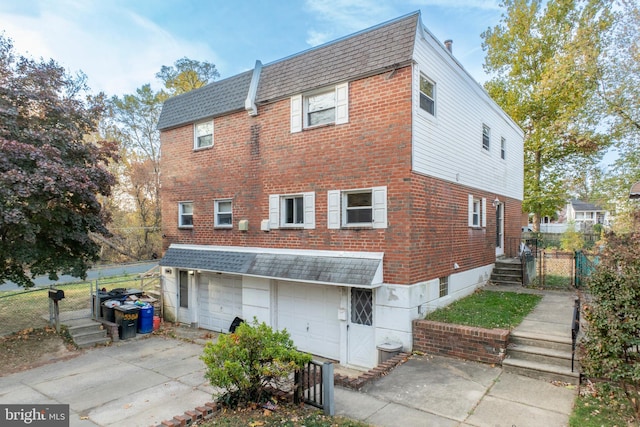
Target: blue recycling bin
145	319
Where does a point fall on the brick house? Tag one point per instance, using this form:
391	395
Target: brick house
339	193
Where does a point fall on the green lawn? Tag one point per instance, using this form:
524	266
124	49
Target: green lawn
487	309
603	405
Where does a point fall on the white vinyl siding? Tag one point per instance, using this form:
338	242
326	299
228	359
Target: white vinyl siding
292	210
447	148
320	107
357	208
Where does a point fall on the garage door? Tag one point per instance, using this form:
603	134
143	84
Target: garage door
310	314
219	301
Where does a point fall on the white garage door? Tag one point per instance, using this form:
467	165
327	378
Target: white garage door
310	314
219	301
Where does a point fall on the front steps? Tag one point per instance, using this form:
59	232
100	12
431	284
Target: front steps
87	333
507	272
541	356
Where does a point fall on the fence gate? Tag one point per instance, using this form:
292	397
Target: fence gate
584	268
314	386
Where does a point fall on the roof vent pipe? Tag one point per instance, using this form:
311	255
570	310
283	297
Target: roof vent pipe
448	44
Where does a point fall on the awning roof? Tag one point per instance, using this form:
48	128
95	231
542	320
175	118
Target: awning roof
339	268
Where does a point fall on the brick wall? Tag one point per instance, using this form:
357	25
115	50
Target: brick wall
465	342
253	157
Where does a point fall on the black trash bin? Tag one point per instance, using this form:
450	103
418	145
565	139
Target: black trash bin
126	317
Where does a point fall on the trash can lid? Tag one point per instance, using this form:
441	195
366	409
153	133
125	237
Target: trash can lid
111	303
390	346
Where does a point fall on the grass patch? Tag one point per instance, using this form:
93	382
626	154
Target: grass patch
487	309
601	405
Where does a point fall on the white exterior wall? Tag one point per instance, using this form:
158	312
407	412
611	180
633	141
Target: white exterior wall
449	145
170	293
396	306
257	299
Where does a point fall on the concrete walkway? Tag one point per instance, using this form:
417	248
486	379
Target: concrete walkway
439	391
137	382
143	381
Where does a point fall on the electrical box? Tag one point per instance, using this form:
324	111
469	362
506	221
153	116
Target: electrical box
264	225
243	225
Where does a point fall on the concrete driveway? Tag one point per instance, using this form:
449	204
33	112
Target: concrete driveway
138	382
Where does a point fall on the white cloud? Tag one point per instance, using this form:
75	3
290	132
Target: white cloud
117	49
342	17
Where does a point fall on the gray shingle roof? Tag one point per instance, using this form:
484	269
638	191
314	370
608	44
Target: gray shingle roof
367	52
323	269
212	100
584	206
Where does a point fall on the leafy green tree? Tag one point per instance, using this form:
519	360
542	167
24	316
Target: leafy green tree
544	67
571	240
187	74
612	340
133	120
251	361
51	176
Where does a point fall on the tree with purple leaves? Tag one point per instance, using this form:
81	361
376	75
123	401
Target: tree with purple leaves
53	172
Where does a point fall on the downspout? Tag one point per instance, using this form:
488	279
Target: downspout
250	102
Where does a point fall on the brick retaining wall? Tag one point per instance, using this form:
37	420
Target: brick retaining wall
465	342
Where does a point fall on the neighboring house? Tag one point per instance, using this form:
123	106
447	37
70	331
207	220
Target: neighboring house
585	215
339	193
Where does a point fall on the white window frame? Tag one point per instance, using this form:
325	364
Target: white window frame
430	98
503	148
182	214
299	112
486	137
217	213
477	217
196	135
278	212
337	208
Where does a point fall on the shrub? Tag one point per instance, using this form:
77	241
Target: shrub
612	339
571	240
251	362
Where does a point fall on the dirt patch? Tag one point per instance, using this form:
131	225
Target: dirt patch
31	348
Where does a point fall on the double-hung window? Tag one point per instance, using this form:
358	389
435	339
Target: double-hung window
185	214
292	210
477	212
203	134
321	107
503	148
427	95
486	137
223	214
357	208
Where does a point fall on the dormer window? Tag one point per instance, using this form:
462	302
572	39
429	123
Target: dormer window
321	107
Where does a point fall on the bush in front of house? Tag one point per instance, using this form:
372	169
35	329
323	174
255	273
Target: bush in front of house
251	362
612	341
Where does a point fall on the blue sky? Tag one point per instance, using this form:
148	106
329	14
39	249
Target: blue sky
121	44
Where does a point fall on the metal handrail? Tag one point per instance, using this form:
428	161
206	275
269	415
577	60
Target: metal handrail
575	329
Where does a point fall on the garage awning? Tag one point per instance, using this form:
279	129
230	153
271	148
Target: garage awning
326	267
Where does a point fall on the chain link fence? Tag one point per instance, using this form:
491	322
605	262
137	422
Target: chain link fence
32	308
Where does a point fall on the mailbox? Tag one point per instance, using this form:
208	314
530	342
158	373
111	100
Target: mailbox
56	294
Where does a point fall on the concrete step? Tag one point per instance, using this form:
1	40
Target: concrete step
83	328
498	277
541	340
91	340
541	355
541	371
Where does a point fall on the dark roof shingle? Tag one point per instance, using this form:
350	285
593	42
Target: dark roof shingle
367	52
